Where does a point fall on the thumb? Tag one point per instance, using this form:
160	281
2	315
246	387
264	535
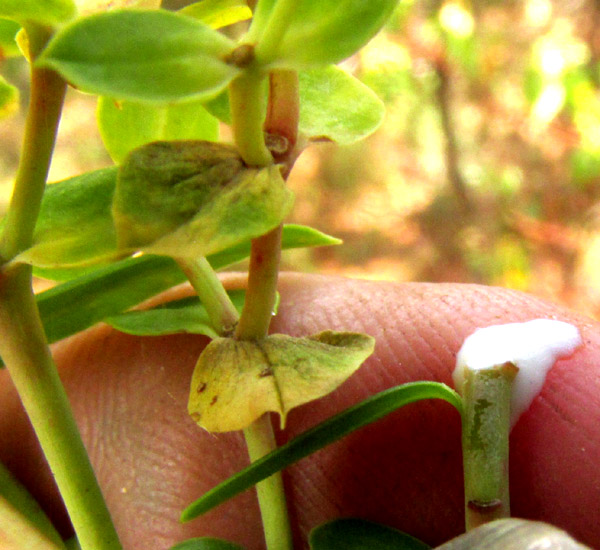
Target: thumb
129	395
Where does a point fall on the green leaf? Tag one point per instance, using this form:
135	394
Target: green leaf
360	534
142	55
8	44
336	106
218	13
235	382
45	12
125	125
187	315
75	226
207	543
22	521
194	198
9	99
324	32
329	431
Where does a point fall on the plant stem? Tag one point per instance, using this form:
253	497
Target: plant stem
26	354
45	106
486	427
247	98
262	286
260	441
223	314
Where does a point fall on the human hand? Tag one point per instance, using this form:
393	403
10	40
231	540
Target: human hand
129	396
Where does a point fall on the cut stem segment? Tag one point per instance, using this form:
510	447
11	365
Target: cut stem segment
485	429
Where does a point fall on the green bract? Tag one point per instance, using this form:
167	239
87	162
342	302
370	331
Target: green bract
46	12
359	534
143	55
8	32
235	381
194	198
323	32
125	125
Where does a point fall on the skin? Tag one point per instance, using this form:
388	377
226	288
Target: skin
129	395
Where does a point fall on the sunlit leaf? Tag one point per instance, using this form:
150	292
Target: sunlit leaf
218	13
187	315
125	125
9	99
324	32
142	55
8	32
332	429
46	12
22	521
235	381
337	106
206	543
360	534
193	198
75	226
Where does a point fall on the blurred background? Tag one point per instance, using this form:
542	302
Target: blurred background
486	168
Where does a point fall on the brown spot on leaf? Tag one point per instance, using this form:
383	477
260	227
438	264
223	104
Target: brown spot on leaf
201	387
267	371
195	416
214	399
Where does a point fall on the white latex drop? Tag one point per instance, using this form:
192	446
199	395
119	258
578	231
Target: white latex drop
533	347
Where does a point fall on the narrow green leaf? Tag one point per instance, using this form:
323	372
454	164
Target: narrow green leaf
73	306
23	523
78	304
207	543
360	534
126	125
45	12
235	381
194	198
187	315
8	44
142	55
9	99
75	226
218	13
324	32
312	440
336	106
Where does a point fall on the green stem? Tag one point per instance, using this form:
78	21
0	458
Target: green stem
45	106
223	314
247	98
26	354
260	441
277	25
486	427
262	286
